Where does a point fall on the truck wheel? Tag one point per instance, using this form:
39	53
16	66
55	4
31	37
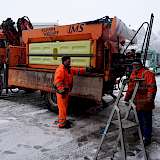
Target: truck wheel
28	90
1	91
1	86
14	90
52	102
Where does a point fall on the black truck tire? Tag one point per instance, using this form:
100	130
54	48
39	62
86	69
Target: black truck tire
51	102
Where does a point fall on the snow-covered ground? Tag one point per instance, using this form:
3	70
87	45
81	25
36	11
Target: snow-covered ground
27	132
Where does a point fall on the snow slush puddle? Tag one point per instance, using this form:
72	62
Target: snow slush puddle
2	121
36	112
7	120
154	151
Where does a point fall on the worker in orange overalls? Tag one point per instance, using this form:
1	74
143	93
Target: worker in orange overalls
145	97
63	82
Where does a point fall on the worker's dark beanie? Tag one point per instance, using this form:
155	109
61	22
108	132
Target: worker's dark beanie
137	61
64	58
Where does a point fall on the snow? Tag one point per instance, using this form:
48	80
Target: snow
27	132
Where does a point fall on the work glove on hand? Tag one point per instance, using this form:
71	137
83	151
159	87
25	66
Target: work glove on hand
63	93
66	90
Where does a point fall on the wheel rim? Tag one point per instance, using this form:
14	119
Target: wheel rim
52	100
14	90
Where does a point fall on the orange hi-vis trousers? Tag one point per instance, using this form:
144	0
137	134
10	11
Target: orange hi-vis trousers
62	101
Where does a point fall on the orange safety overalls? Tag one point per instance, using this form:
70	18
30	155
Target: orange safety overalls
63	81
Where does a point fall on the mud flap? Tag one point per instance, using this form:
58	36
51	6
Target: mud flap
90	87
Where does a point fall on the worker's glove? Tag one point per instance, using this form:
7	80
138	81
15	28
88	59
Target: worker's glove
66	91
90	69
60	91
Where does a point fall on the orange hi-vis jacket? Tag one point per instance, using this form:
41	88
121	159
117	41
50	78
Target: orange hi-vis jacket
146	93
63	78
63	81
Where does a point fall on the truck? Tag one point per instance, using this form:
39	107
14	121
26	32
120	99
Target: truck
12	49
96	44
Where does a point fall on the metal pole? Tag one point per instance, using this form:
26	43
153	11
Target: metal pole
105	132
144	41
135	35
115	108
6	69
148	38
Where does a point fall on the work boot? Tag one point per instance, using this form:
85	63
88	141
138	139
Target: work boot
66	126
147	142
69	122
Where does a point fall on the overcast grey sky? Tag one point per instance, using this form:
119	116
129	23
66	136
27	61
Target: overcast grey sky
132	12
